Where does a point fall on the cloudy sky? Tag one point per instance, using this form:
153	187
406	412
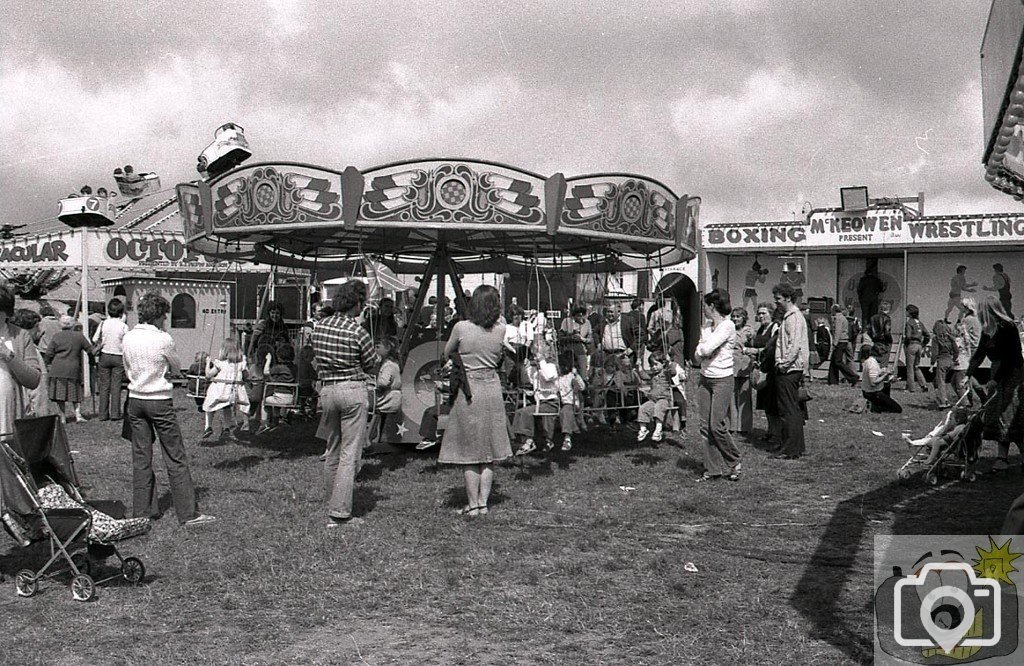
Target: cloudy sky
754	105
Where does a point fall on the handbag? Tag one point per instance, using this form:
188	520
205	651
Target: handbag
758	378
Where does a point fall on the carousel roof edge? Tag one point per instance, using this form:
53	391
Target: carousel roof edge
434	160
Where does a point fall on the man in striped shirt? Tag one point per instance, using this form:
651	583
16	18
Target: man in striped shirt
344	356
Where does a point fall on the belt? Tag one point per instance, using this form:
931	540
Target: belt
329	382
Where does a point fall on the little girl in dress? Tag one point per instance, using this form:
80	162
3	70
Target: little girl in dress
227	388
388	390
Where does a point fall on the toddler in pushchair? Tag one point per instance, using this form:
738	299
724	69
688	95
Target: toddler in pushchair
953	444
40	501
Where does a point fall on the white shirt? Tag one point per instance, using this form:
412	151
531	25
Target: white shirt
545	381
715	350
148	356
611	339
519	335
111	332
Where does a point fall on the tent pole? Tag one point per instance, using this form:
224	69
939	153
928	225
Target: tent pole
83	315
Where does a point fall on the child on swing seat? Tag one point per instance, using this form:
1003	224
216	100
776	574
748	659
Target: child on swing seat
198	369
659	399
570	386
279	368
527	420
226	390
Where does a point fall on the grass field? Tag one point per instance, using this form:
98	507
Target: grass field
570	567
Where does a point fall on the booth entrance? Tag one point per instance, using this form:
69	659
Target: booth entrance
199	319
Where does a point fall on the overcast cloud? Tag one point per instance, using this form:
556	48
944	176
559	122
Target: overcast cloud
756	106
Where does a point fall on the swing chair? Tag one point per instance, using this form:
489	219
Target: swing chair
441	217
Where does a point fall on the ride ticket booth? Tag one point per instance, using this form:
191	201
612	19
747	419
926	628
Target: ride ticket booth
831	256
199	318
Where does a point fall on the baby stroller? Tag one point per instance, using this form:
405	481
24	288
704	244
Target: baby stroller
959	439
39	500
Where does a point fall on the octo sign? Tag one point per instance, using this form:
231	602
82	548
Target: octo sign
144	250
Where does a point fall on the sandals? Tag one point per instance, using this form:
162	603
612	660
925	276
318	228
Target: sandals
472	511
707	477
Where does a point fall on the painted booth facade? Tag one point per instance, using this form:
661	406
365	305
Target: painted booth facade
930	262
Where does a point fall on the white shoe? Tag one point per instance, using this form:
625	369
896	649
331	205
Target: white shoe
567	443
642	435
201	519
426	444
527	447
657	436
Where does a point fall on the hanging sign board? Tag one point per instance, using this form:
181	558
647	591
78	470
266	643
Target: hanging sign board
134	251
874	228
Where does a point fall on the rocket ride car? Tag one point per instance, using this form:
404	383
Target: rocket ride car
229	149
86	209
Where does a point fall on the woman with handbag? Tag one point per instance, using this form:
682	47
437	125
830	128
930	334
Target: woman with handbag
741	411
762	350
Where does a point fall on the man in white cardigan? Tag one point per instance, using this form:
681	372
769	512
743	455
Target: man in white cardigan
149	356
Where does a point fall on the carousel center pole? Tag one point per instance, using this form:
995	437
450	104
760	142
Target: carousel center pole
421	298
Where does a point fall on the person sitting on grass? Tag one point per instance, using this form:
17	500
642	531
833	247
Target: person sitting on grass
659	399
279	369
529	419
942	435
226	392
876	382
570	387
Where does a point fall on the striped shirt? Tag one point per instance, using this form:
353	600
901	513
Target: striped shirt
343	350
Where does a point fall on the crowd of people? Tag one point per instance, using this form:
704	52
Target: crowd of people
513	382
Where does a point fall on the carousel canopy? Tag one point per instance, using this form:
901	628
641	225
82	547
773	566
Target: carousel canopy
487	217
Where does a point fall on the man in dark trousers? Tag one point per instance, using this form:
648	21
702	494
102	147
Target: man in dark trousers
792	355
841	354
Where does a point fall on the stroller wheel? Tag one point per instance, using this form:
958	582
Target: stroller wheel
25	583
933	479
82	588
133	570
903	474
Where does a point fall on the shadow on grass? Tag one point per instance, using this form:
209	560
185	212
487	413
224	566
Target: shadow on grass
847	541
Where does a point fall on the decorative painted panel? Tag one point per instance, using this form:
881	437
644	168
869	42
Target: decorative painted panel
275	195
621	205
190	210
453	192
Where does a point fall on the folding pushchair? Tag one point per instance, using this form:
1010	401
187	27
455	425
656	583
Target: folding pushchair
40	500
959	440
